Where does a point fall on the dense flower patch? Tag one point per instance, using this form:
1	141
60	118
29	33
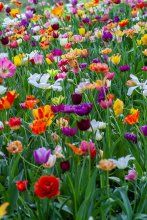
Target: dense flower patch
73	110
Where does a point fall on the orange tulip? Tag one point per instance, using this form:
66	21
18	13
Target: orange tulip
38	127
7	101
58	11
44	113
75	149
132	118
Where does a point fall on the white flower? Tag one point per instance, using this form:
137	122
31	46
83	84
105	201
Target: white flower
96	125
54	20
2	90
10	22
3	55
142	86
98	136
63	41
122	162
40	81
1	125
51	161
58	152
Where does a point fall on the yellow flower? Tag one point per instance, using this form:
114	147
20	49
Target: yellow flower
118	107
139	42
144	39
57	100
18	60
81	31
115	59
119	33
14	12
53	72
3	209
48	61
133	111
80	12
145	52
98	34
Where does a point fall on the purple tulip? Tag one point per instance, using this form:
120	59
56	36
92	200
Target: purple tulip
96	60
41	155
69	131
131	137
143	130
102	93
57	52
124	68
83	65
107	36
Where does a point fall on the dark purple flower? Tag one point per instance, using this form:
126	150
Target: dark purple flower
8	9
41	155
73	2
24	22
83	65
76	98
131	137
69	131
116	18
83	109
55	27
86	20
57	108
34	43
124	68
65	165
57	52
107	36
5	40
83	125
96	60
98	17
143	130
105	57
102	93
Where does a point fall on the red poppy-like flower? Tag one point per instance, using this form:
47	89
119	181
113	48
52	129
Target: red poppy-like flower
47	187
21	185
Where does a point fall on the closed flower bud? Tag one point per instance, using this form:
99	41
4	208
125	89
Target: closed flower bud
76	98
55	137
65	165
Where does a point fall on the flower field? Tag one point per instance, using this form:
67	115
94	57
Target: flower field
73	110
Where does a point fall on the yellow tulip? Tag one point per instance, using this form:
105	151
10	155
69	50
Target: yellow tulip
118	107
115	59
82	31
57	100
3	209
